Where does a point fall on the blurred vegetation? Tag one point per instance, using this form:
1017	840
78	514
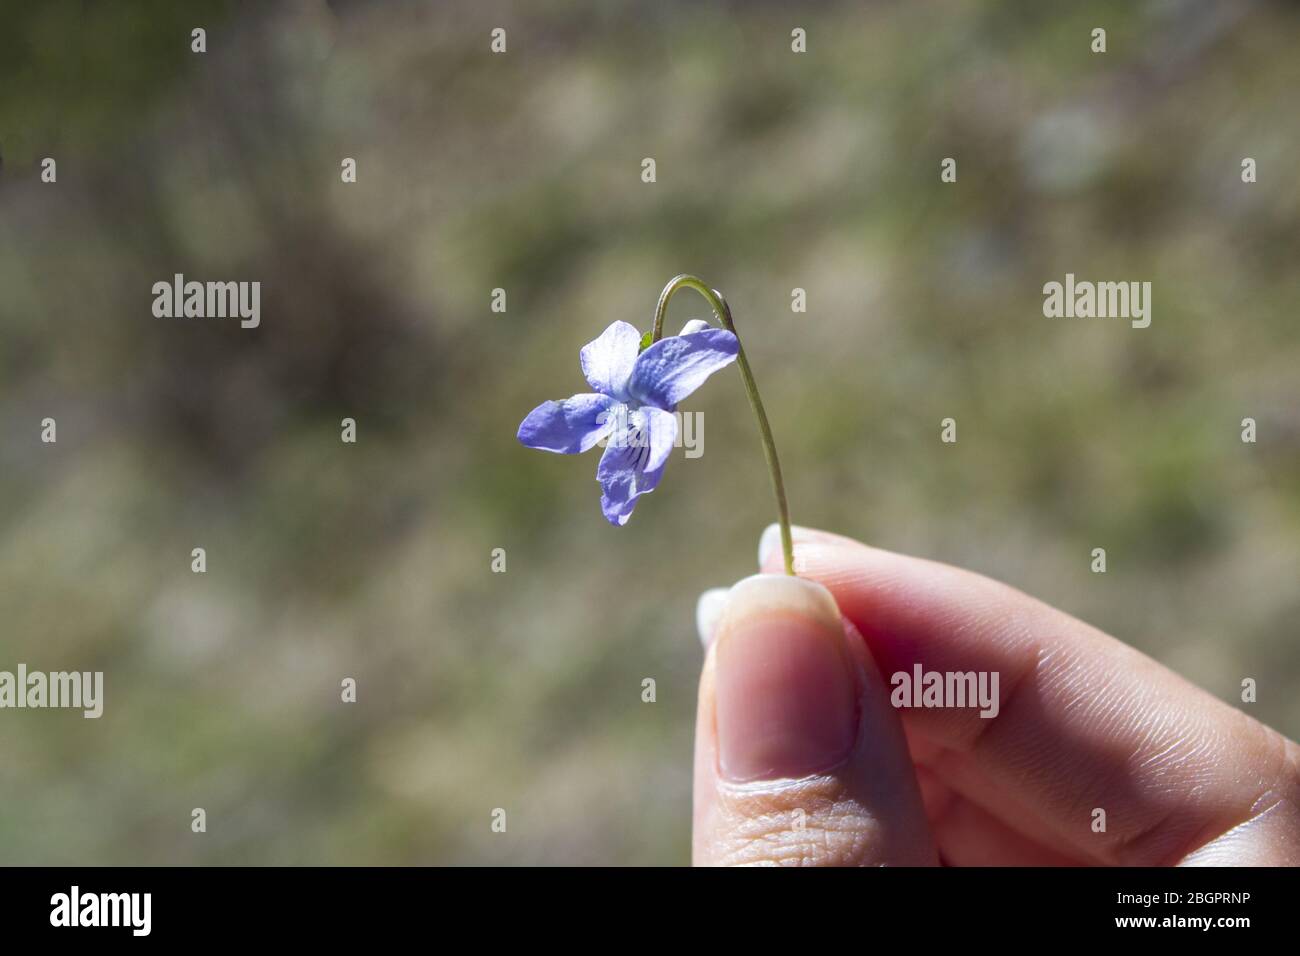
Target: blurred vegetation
775	170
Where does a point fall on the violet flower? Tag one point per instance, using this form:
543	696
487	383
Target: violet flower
638	382
632	408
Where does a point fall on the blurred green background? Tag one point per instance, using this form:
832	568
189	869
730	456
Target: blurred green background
522	171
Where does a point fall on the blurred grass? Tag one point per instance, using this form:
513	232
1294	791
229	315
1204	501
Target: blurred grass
521	171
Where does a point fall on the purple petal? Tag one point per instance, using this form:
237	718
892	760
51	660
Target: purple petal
672	368
661	427
634	462
570	426
607	362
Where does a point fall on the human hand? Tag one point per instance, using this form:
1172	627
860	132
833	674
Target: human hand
801	759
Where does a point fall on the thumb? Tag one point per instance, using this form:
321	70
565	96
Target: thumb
799	758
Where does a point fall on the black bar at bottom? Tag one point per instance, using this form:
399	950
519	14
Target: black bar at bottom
329	905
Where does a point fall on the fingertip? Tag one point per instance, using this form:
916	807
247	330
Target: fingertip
764	595
708	611
770	552
769	542
785	691
799	756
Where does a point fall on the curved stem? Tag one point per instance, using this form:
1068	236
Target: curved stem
723	312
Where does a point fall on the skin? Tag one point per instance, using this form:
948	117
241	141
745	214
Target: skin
1085	722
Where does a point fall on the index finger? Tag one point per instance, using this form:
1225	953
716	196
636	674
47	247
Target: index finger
1083	722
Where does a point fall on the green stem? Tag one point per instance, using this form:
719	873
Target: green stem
723	312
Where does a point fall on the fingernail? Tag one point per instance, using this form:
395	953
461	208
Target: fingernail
784	690
708	611
770	548
768	542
